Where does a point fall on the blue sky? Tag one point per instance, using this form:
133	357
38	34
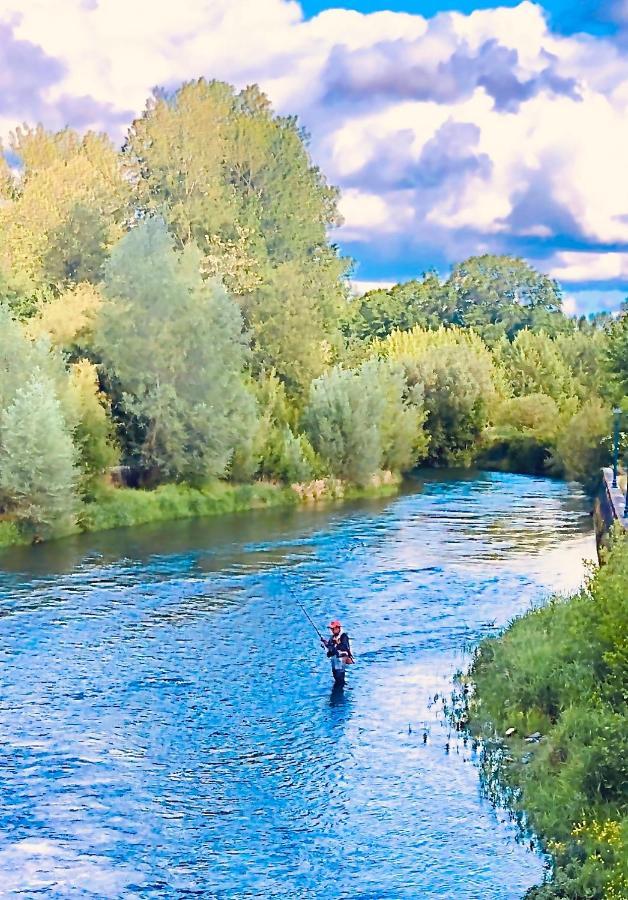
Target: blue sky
565	16
451	129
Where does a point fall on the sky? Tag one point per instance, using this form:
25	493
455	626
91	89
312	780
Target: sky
452	128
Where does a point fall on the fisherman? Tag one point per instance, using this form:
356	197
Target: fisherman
338	650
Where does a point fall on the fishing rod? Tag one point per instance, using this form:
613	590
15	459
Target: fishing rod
305	612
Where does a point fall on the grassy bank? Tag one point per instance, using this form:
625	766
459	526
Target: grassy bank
127	507
549	699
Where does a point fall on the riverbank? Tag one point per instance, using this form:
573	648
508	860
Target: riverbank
548	701
120	507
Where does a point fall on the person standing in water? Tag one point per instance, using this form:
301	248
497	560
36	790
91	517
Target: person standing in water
338	650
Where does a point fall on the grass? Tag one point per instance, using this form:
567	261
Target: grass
562	670
127	507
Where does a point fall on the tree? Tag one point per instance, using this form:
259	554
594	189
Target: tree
379	312
453	371
501	295
173	349
617	350
23	359
67	211
533	363
235	179
342	420
93	432
583	445
359	421
403	439
37	459
535	413
67	320
583	351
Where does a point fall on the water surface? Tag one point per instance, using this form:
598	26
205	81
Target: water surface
167	723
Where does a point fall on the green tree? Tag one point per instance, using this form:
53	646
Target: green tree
533	364
500	295
583	351
37	460
453	371
379	312
535	413
67	210
93	432
360	421
342	420
173	347
23	359
583	444
617	351
237	180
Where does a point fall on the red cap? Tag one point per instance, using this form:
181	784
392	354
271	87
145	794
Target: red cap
335	624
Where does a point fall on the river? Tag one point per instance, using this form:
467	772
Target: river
167	724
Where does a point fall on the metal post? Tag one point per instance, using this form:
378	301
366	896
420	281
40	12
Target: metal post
617	414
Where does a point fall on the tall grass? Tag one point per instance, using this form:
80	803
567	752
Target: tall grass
562	670
125	507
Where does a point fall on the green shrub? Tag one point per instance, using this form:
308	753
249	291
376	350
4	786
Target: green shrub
563	670
37	460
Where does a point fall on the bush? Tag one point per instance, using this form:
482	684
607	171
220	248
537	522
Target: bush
453	371
359	420
37	460
563	670
583	444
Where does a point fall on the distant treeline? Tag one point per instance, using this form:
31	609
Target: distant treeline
177	306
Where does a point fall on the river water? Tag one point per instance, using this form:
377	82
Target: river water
167	724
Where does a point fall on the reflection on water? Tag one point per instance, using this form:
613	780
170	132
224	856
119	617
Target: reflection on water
168	726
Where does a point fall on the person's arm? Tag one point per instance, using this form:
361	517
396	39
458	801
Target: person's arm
345	646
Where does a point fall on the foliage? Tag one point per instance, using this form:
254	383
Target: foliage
532	363
229	175
185	289
359	421
500	295
583	351
617	350
68	319
531	412
67	210
93	432
341	419
562	669
380	312
37	459
583	447
175	348
454	371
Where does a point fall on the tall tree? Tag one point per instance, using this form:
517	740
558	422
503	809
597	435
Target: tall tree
173	348
503	294
237	180
533	363
67	211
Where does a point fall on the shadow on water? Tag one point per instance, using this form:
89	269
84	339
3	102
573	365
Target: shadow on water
169	726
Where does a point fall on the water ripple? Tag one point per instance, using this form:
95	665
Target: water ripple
167	724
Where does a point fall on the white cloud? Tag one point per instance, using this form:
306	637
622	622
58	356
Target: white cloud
360	287
577	266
